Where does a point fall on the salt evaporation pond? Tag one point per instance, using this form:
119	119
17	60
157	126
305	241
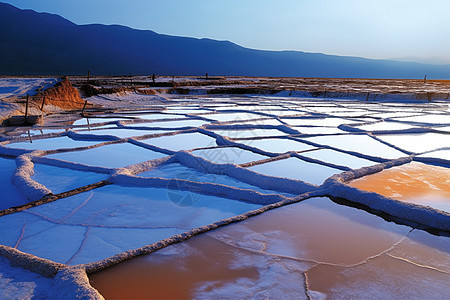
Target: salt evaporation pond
178	171
228	155
358	143
249	133
414	182
97	224
275	145
10	194
52	143
110	156
277	254
129	196
60	180
184	141
417	143
338	158
122	132
295	168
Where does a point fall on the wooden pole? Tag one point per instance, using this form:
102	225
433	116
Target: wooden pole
26	108
84	106
43	101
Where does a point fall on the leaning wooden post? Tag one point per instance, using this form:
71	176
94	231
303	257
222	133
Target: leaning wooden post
43	101
26	109
84	106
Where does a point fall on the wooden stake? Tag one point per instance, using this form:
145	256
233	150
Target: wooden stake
43	101
84	106
26	109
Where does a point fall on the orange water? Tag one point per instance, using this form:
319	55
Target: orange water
414	182
297	236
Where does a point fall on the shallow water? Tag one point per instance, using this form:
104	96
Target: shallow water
249	133
10	194
384	126
417	143
267	255
339	158
226	117
228	155
175	170
60	180
171	124
414	182
110	156
295	168
359	143
122	132
182	141
275	145
52	143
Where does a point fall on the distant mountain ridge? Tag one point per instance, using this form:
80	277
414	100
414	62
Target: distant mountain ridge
34	43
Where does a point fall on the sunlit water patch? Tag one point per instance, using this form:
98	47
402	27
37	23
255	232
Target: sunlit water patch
414	182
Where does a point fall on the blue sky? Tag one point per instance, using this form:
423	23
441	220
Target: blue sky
367	28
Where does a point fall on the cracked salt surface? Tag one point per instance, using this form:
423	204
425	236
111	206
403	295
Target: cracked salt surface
97	224
18	283
143	208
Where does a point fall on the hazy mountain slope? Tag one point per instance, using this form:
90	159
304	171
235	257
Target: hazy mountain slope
40	43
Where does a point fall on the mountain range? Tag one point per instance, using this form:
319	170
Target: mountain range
34	43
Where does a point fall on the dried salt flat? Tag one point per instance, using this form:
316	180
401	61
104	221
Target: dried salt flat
18	283
94	225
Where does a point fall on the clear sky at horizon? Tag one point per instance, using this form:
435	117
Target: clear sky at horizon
370	28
